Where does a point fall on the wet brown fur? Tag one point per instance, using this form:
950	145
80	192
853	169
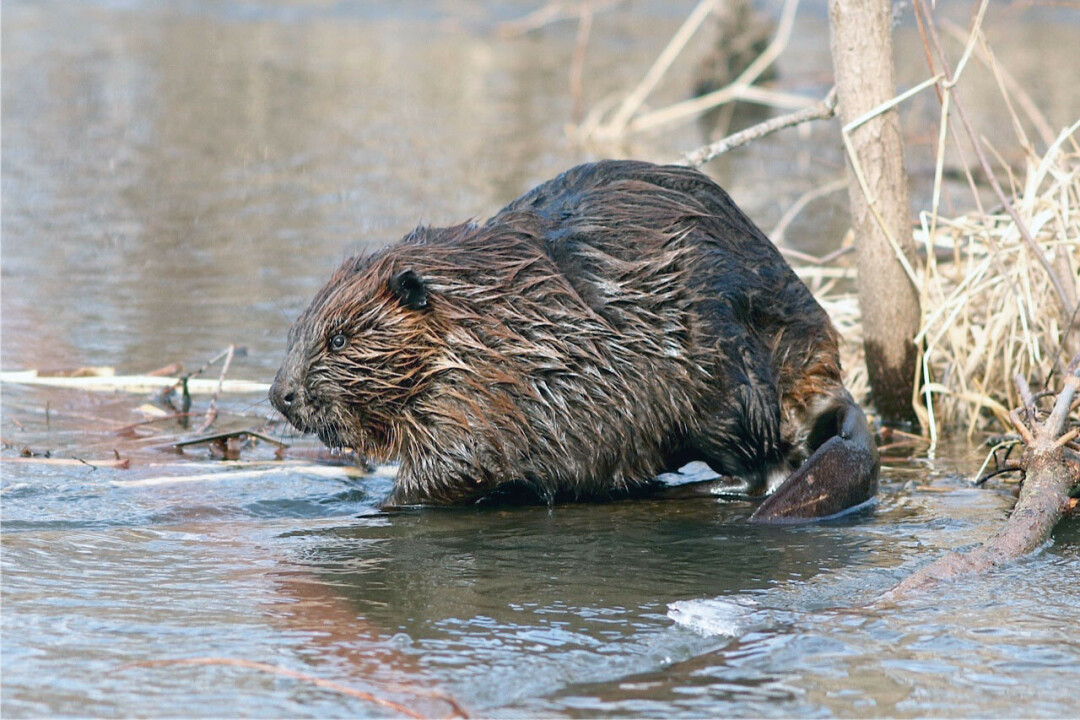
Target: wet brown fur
610	325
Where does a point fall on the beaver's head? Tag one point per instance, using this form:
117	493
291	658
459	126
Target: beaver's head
357	355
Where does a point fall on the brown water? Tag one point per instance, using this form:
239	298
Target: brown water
178	177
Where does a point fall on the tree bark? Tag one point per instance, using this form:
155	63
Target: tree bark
863	66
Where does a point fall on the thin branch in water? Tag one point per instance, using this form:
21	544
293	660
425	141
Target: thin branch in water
202	368
241	434
549	14
822	261
1000	471
130	427
741	88
211	413
1008	445
777	233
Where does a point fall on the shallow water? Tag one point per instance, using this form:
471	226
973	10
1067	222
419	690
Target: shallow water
180	177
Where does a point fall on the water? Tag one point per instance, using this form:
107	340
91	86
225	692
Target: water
180	177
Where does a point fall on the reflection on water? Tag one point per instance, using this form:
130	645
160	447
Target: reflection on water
177	178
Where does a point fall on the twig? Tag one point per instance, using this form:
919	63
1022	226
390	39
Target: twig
1044	497
688	109
1023	99
860	176
822	261
151	421
741	88
1010	444
551	13
202	368
211	412
636	97
286	672
1000	471
228	435
821	111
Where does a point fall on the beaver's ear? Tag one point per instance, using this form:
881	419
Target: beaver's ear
410	289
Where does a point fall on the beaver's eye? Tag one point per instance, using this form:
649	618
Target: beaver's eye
338	342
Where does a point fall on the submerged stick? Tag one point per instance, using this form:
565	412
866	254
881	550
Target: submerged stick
1044	497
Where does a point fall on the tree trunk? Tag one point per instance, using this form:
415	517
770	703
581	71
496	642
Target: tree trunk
862	63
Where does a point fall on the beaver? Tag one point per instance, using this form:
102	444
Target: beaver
610	325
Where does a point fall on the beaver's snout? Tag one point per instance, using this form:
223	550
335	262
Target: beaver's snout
283	396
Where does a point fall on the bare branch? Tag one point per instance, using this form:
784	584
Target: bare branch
1044	498
821	111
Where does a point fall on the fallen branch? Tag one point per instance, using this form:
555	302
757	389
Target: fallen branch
1044	496
821	111
228	475
132	383
115	464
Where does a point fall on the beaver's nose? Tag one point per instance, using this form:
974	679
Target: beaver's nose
282	395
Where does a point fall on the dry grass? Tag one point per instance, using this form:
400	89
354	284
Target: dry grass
990	311
997	286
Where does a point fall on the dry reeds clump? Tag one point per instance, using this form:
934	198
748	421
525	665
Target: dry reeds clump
991	311
989	308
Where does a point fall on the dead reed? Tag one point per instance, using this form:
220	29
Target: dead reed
990	309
